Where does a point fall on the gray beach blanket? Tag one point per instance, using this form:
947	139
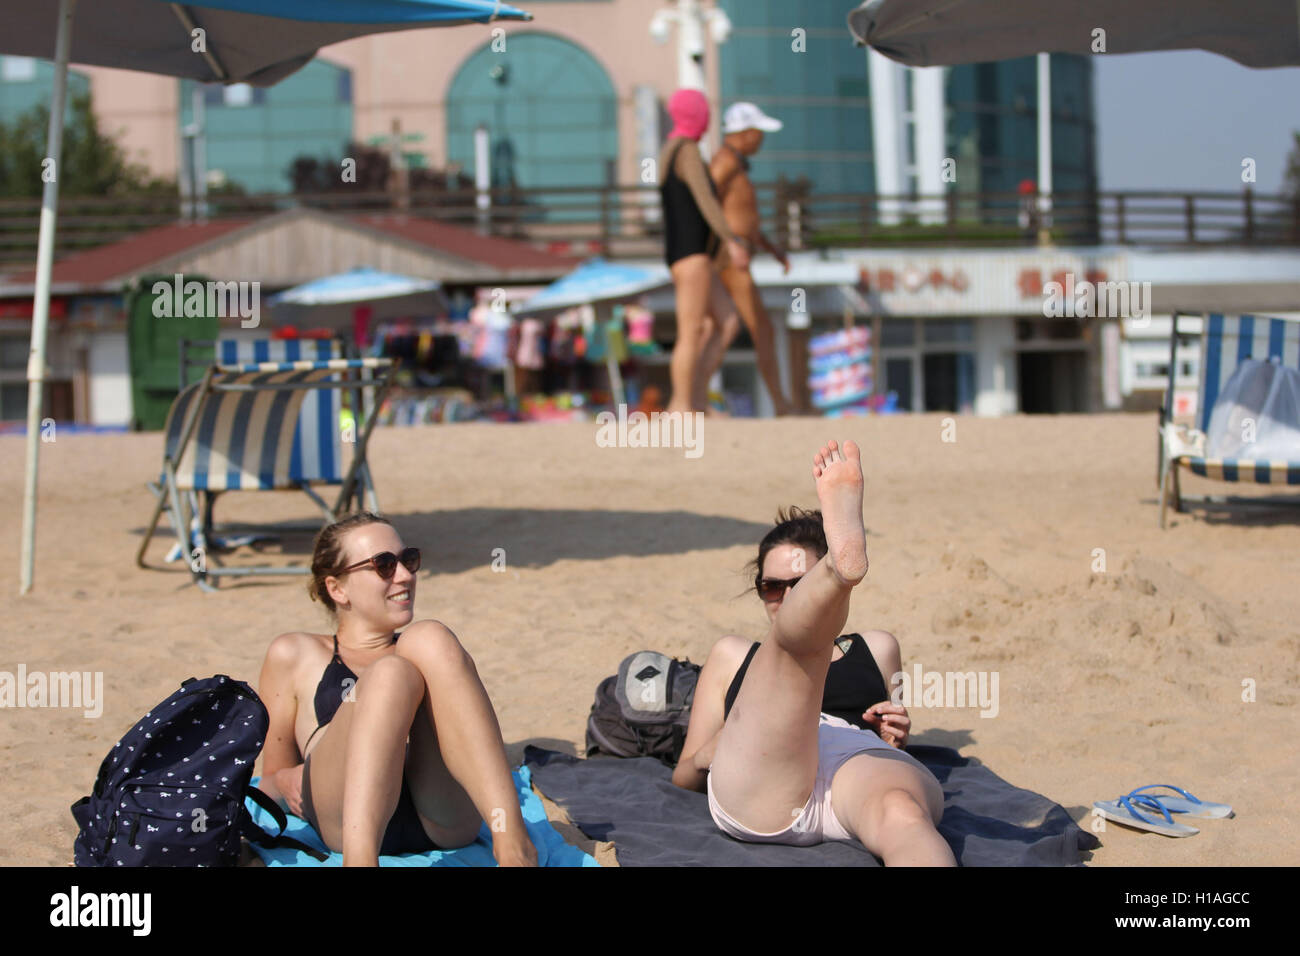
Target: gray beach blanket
633	803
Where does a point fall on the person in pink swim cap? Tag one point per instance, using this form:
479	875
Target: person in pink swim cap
697	242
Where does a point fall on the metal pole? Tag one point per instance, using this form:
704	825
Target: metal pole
41	305
200	167
483	177
1044	148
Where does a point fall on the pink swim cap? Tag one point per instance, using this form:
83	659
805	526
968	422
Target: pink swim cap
690	113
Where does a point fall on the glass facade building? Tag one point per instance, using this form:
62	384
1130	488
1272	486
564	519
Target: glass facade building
26	83
823	97
797	62
253	135
992	124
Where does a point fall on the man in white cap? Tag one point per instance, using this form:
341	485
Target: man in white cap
743	126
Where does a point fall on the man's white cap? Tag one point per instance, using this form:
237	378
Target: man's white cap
742	116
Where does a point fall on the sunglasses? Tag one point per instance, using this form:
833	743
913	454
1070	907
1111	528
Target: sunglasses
385	563
773	589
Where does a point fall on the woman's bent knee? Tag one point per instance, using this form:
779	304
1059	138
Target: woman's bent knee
899	807
395	675
432	643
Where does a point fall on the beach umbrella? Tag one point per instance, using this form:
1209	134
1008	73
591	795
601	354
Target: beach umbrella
597	281
332	302
362	284
225	41
1255	33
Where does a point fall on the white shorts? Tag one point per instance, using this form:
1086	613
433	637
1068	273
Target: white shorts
837	741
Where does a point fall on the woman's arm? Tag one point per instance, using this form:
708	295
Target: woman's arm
707	717
281	762
889	720
689	167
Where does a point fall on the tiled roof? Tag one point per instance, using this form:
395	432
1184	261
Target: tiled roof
128	256
139	253
467	244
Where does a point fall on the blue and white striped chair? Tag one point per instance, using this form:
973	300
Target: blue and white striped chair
1225	341
265	417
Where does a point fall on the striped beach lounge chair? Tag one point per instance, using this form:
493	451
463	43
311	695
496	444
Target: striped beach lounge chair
1226	340
264	417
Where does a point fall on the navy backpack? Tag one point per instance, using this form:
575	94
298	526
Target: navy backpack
171	792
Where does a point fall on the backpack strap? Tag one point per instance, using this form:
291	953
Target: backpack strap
249	829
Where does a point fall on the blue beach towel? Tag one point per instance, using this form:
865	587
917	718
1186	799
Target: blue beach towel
551	848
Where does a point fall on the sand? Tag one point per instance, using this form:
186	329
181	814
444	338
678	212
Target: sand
984	557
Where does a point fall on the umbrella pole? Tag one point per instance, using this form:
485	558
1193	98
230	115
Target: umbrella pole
1044	149
41	306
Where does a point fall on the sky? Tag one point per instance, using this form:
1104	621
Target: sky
1187	119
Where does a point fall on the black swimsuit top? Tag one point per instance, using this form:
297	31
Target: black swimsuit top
332	689
686	231
853	683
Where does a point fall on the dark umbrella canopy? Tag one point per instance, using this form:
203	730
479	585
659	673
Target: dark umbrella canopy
1256	33
246	41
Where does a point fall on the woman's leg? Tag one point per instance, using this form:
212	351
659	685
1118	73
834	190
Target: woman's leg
691	277
458	771
721	324
356	767
766	758
749	303
892	806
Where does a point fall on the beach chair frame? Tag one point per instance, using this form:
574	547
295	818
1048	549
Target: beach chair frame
1282	340
187	363
193	523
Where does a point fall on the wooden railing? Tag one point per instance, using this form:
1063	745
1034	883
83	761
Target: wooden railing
625	221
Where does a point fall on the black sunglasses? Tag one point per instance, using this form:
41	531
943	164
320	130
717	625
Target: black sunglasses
773	589
385	563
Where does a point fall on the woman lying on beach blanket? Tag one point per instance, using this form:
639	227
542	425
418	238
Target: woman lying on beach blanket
773	736
384	742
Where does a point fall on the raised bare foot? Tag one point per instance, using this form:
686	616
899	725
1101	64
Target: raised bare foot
838	474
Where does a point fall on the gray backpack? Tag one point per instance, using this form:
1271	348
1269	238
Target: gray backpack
644	709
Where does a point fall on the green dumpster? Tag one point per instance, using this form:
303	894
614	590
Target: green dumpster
153	337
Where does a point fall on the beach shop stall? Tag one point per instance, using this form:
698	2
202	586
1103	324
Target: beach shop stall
452	363
584	342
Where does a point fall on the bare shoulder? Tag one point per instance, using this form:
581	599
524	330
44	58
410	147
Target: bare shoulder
289	649
724	164
884	648
726	656
880	641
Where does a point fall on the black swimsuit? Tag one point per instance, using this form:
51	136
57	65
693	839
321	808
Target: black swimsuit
686	231
853	683
405	833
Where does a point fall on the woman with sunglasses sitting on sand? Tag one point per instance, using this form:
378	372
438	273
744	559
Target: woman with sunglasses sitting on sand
384	742
783	734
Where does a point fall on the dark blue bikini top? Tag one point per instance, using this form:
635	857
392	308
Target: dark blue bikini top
333	687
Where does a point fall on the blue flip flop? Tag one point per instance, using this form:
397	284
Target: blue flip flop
1125	810
1185	803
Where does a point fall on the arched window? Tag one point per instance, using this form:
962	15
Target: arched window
549	107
